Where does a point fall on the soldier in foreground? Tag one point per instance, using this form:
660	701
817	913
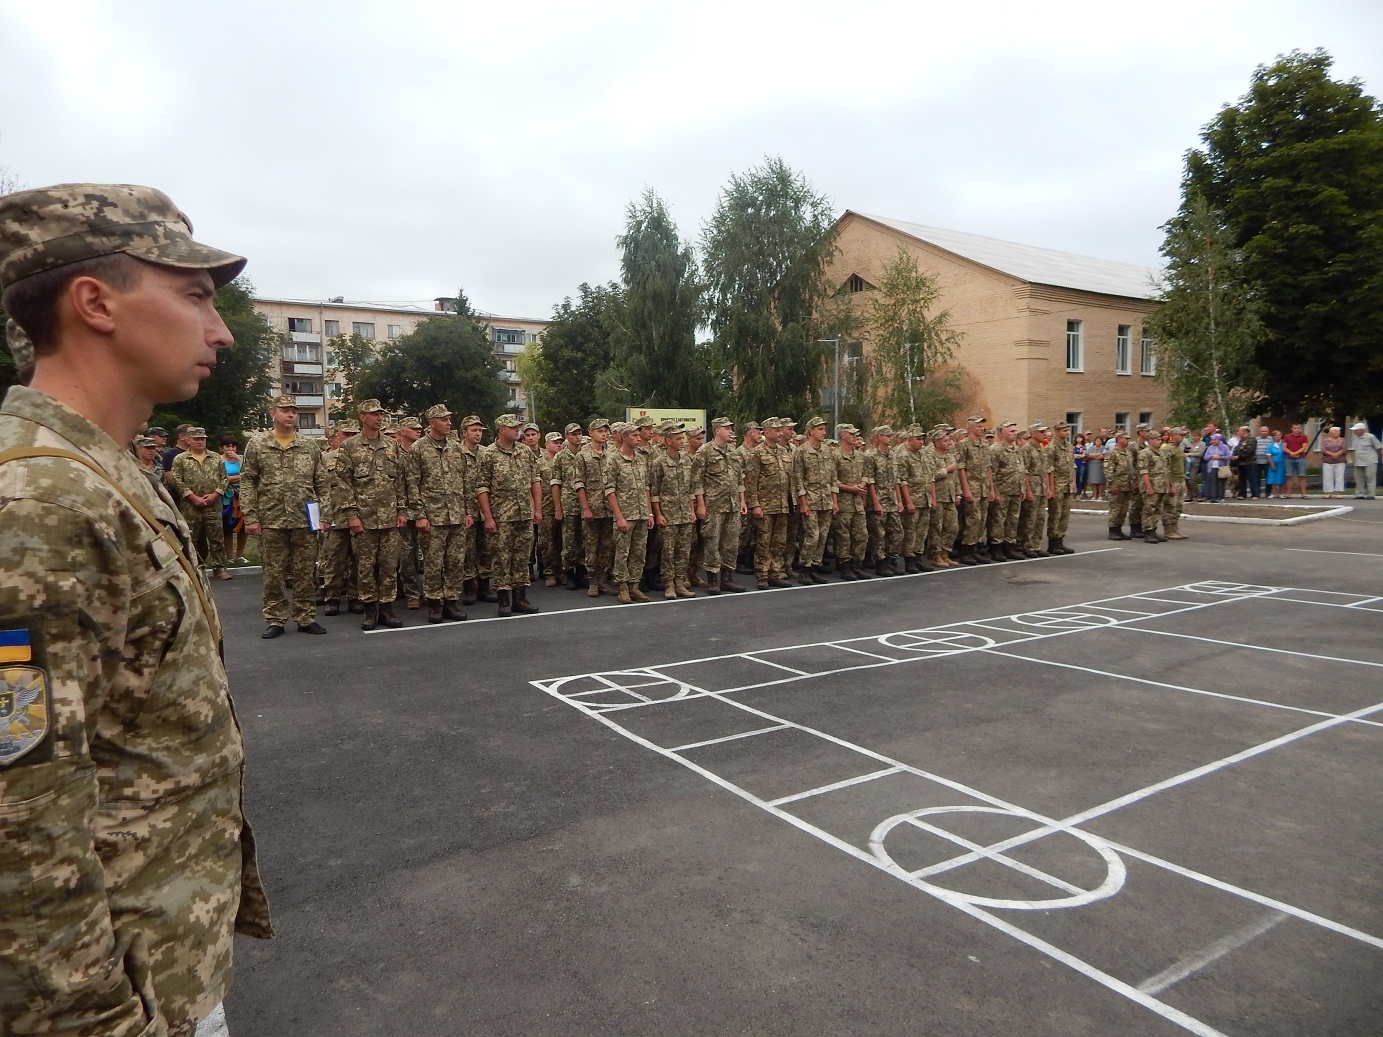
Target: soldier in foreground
123	886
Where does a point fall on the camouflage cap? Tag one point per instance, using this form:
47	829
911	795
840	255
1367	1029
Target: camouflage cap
1061	425
672	428
598	423
722	423
411	422
157	430
371	406
53	226
196	432
754	425
437	410
1024	434
788	422
284	400
665	427
938	434
1142	426
146	441
351	428
883	430
553	437
1038	426
20	347
975	419
507	421
530	425
847	428
815	422
574	426
914	431
694	431
471	419
1007	424
643	421
619	428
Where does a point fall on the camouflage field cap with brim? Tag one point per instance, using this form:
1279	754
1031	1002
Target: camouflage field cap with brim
722	423
1024	434
572	427
507	421
754	425
1038	426
410	422
284	400
50	227
975	419
553	437
665	425
1142	426
815	422
788	422
914	432
883	430
157	430
471	419
695	430
196	432
937	435
1006	424
1061	425
351	428
369	407
598	423
146	441
20	347
643	421
530	425
437	410
672	428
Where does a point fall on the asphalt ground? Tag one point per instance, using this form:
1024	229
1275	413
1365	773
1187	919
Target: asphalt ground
1131	791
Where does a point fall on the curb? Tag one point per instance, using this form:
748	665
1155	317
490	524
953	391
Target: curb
1297	520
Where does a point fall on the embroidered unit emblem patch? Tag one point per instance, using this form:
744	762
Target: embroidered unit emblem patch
24	717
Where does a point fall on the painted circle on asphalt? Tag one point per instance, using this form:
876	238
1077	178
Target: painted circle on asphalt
935	642
1115	872
1064	619
620	688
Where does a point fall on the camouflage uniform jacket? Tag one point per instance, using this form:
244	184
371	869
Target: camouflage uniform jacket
436	482
370	481
915	472
882	471
1037	463
974	459
472	461
200	477
1062	457
947	483
1153	464
545	474
850	471
127	863
627	479
330	459
508	477
1176	464
564	477
590	476
1006	462
767	479
813	477
1120	471
276	482
717	476
670	485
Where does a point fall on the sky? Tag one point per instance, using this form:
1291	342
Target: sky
392	152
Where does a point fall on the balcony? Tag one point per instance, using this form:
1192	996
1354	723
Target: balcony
309	337
310	401
296	367
511	377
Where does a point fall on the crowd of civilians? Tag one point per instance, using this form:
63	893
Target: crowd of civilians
1249	466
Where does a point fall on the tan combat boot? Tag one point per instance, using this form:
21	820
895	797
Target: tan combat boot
624	598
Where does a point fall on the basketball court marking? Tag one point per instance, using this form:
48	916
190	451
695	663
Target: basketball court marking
945	880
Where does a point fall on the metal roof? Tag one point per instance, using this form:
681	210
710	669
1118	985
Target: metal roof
1037	265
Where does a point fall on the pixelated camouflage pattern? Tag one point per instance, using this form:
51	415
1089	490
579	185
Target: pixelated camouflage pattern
670	484
590	476
881	471
125	860
436	481
508	477
1006	462
20	346
564	477
627	479
850	471
718	478
289	556
768	479
277	481
66	223
199	477
370	481
813	475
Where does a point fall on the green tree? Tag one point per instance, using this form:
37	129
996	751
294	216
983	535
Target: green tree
1207	328
526	365
657	359
236	396
447	359
576	353
764	256
1296	170
907	375
351	355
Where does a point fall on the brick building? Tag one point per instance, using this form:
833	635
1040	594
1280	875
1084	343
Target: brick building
1045	334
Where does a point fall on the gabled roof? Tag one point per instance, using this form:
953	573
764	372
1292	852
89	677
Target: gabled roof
1036	265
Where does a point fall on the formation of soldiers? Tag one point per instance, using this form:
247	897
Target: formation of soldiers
427	512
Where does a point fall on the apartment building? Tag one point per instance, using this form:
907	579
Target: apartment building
307	369
1046	334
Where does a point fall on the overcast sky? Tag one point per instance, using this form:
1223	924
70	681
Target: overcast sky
395	151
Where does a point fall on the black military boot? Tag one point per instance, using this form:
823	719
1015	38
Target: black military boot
1115	533
371	616
966	555
846	571
712	582
387	617
582	580
452	610
727	581
434	610
573	581
910	564
487	591
333	607
505	601
804	576
521	604
1061	546
469	592
356	606
814	574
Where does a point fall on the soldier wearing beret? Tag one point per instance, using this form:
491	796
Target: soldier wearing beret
370	480
125	885
509	493
199	479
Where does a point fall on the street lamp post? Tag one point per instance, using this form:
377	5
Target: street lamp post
835	390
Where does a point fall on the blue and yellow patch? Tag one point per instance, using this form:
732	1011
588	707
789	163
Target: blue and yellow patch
24	712
15	646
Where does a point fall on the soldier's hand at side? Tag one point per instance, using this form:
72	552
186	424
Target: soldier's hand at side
835	508
557	513
758	512
622	526
252	529
701	512
911	509
491	526
424	525
470	521
661	520
804	508
967	496
650	521
587	514
356	526
403	521
878	509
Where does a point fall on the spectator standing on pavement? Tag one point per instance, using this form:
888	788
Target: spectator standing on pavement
1082	463
1277	466
232	518
1094	461
1364	446
1262	441
1333	451
1218	457
1295	444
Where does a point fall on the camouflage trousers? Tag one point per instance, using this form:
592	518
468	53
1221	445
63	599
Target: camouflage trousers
748	534
1032	523
549	546
915	527
338	565
1059	512
572	555
631	546
1154	511
851	533
1119	501
816	527
889	542
1003	515
770	546
410	562
794	536
1135	508
941	529
513	545
976	517
677	539
721	532
444	561
598	535
289	556
698	547
653	556
208	534
479	551
377	564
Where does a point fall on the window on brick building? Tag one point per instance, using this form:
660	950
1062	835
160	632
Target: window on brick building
1075	347
1123	350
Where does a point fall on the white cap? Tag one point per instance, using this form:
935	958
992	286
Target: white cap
1359	427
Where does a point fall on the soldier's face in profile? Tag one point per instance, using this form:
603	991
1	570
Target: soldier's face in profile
166	331
574	440
438	428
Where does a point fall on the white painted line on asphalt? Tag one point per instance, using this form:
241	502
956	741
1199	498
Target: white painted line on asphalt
780	666
730	738
835	786
1214	952
1255	648
1321	551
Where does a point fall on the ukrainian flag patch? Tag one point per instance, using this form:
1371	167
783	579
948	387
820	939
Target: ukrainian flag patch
15	647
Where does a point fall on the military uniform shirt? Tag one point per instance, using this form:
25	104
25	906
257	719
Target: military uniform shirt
276	482
627	479
767	479
669	483
199	477
436	482
590	476
1006	462
508	477
717	478
882	472
370	478
814	477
